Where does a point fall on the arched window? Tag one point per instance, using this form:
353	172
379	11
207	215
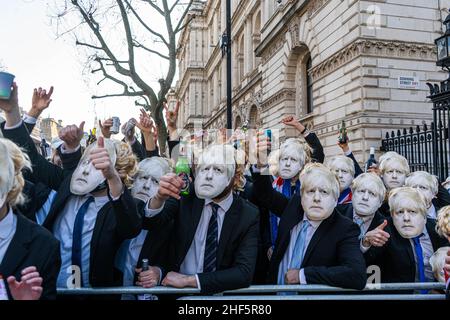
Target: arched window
237	122
254	118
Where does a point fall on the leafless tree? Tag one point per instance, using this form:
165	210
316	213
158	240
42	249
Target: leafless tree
122	37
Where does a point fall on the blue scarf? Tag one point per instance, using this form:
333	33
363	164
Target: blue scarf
284	187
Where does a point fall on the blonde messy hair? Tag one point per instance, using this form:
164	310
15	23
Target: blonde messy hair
443	222
126	162
309	176
416	201
13	160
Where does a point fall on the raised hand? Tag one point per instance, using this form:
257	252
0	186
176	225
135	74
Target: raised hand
344	146
105	127
145	123
169	186
13	102
172	116
29	287
40	101
11	107
291	121
72	135
101	161
377	237
263	144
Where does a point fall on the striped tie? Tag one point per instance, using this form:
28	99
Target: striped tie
210	258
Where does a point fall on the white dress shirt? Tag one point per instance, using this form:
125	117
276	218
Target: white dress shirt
427	252
63	231
431	213
284	265
8	226
193	262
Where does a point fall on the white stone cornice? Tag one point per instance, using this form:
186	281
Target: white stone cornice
377	48
281	95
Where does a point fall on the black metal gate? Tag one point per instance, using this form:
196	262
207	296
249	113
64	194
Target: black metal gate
426	148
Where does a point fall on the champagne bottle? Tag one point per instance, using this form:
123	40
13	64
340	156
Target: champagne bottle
343	138
371	161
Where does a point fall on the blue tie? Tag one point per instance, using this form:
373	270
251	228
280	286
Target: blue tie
360	222
297	254
77	234
210	257
420	265
299	248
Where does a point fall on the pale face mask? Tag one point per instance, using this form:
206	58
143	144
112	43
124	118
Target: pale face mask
146	184
211	180
290	164
86	178
366	200
343	174
424	188
7	174
408	222
318	201
394	176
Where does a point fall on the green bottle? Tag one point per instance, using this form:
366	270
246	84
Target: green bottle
182	169
343	138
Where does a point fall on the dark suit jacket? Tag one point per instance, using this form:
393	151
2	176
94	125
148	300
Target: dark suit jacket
317	148
33	245
396	257
156	244
116	221
332	257
358	169
347	211
236	256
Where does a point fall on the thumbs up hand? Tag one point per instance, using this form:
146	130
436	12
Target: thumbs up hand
101	161
72	135
377	237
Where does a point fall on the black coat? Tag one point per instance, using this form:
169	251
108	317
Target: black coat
396	257
116	221
33	245
237	251
333	256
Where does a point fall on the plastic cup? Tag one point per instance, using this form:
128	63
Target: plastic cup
6	80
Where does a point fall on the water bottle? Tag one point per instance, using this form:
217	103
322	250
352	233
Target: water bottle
371	161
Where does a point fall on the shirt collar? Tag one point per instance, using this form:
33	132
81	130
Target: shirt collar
432	212
6	224
225	204
99	201
314	224
364	219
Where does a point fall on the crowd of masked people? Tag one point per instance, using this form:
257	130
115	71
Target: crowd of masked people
115	213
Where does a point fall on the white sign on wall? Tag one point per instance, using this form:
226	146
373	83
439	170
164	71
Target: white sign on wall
405	82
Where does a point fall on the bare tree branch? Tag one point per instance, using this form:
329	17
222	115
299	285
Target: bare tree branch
163	39
79	43
123	94
150	2
178	28
139	45
174	5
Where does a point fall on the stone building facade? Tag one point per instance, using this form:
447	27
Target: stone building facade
365	62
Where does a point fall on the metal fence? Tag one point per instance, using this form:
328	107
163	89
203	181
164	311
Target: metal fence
305	292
